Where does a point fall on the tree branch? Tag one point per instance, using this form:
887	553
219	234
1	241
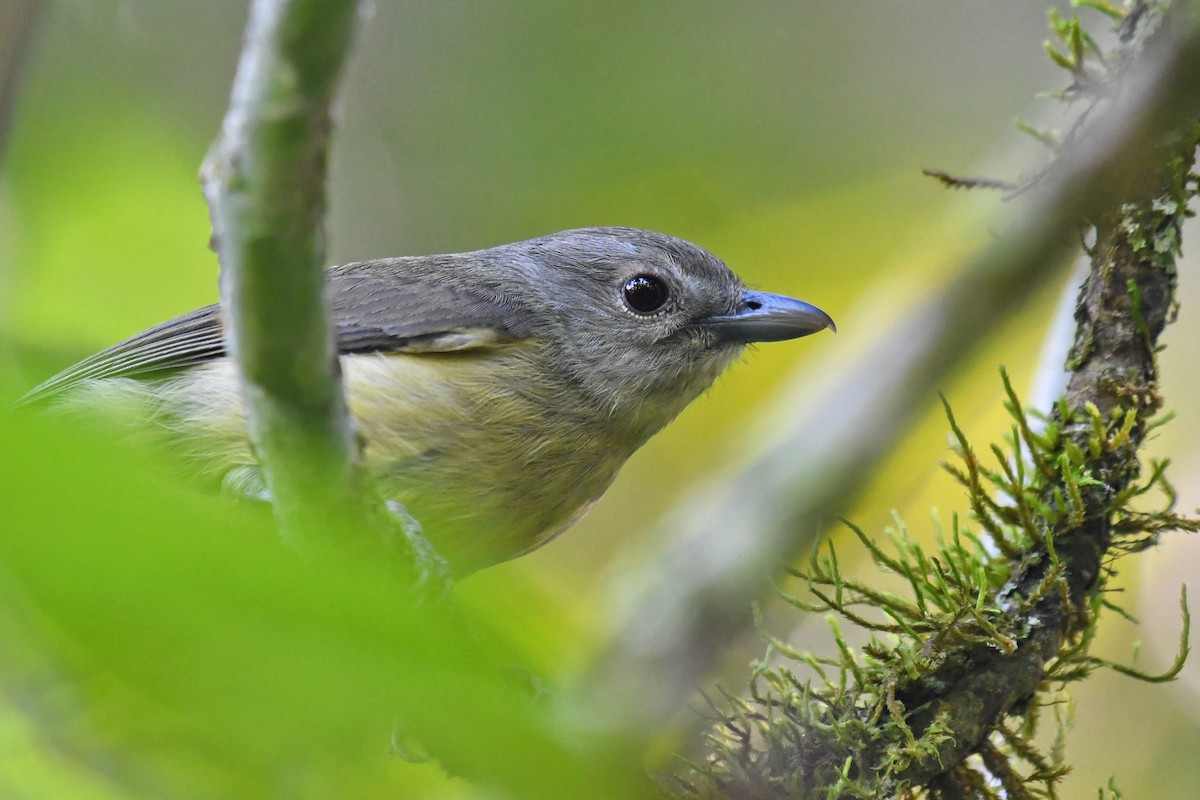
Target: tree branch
988	633
1122	309
731	537
265	183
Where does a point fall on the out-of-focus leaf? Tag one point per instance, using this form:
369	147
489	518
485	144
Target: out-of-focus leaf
186	626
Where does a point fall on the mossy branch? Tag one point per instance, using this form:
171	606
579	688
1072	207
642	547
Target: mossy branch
996	618
727	540
265	183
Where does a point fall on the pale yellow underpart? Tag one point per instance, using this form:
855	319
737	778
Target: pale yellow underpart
491	469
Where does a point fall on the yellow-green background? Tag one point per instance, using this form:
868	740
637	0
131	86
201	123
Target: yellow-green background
786	137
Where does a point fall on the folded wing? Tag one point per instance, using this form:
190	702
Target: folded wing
377	307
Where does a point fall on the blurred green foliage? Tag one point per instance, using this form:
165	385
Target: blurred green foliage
178	623
71	194
161	643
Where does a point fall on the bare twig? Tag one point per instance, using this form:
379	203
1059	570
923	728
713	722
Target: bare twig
963	182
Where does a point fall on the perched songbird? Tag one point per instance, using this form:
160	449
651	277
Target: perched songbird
497	392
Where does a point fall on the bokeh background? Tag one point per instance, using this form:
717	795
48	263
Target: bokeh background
786	137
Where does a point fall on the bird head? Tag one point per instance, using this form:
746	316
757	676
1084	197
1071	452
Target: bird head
647	321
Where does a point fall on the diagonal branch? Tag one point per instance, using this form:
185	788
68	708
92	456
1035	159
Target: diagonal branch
730	539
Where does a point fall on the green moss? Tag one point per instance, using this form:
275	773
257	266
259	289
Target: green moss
1015	584
843	712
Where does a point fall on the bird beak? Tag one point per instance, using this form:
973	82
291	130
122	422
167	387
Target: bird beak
763	317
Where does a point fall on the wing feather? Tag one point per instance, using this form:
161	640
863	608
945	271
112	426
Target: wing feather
378	306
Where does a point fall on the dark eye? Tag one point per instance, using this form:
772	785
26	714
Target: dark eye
644	294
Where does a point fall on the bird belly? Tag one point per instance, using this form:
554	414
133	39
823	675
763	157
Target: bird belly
484	451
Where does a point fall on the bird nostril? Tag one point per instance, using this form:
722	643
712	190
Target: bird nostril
753	305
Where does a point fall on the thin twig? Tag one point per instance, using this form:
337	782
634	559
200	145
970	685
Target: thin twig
963	182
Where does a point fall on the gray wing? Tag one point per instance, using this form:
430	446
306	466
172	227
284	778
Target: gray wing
380	307
377	307
184	341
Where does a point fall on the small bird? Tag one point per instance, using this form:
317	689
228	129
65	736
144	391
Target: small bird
497	392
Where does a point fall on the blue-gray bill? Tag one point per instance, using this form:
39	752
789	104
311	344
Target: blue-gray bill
765	317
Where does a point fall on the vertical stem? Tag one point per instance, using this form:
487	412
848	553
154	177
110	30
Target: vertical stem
265	183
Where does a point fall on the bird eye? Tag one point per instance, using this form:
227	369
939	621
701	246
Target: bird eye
644	294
